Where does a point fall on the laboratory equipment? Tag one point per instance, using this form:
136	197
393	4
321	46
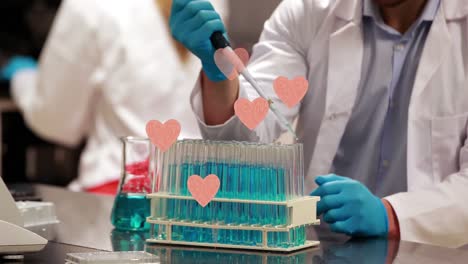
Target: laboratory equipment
37	213
39	217
132	257
131	206
260	203
15	239
220	42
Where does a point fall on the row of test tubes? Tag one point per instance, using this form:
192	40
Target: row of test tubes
221	213
282	239
268	172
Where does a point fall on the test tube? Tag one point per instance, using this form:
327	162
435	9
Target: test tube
284	186
162	179
157	170
300	171
218	157
275	162
246	181
189	160
234	175
205	212
268	190
180	170
177	169
183	168
176	179
152	169
167	178
294	171
170	183
173	169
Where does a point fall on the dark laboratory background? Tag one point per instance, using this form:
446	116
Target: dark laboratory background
24	25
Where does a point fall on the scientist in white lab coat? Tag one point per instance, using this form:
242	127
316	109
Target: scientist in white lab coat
387	108
108	67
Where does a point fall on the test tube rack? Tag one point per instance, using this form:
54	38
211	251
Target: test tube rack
255	219
298	213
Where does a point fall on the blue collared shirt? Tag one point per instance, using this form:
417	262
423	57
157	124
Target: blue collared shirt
373	147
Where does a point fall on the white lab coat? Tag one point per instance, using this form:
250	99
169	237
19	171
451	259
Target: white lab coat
323	40
108	67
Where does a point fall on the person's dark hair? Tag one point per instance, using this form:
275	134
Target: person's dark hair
17	30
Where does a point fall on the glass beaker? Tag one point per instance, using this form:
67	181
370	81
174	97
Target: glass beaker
131	207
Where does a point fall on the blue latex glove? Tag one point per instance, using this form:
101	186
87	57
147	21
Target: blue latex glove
15	65
192	23
349	207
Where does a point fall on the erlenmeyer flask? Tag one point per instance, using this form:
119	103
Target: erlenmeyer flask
131	207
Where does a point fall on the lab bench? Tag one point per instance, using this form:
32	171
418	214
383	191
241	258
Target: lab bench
85	227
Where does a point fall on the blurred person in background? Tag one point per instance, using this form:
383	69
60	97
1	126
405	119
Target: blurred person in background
24	26
107	68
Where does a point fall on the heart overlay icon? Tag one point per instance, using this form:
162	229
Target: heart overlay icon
231	64
203	190
253	113
291	92
163	135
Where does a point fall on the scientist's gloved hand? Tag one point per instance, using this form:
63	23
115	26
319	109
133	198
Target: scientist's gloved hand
349	207
192	23
15	65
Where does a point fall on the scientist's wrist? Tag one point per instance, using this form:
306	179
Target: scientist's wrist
393	224
218	100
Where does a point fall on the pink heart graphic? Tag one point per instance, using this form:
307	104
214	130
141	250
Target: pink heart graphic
291	92
251	113
203	190
163	135
229	64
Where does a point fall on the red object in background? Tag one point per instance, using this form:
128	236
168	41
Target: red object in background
137	184
109	188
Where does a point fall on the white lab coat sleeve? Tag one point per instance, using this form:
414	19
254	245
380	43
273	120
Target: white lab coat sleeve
230	130
438	213
55	101
281	51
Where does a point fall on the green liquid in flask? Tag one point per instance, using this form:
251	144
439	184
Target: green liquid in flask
130	212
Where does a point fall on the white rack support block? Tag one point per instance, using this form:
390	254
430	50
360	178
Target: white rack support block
303	211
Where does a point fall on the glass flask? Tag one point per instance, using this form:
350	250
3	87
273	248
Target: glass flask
131	207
